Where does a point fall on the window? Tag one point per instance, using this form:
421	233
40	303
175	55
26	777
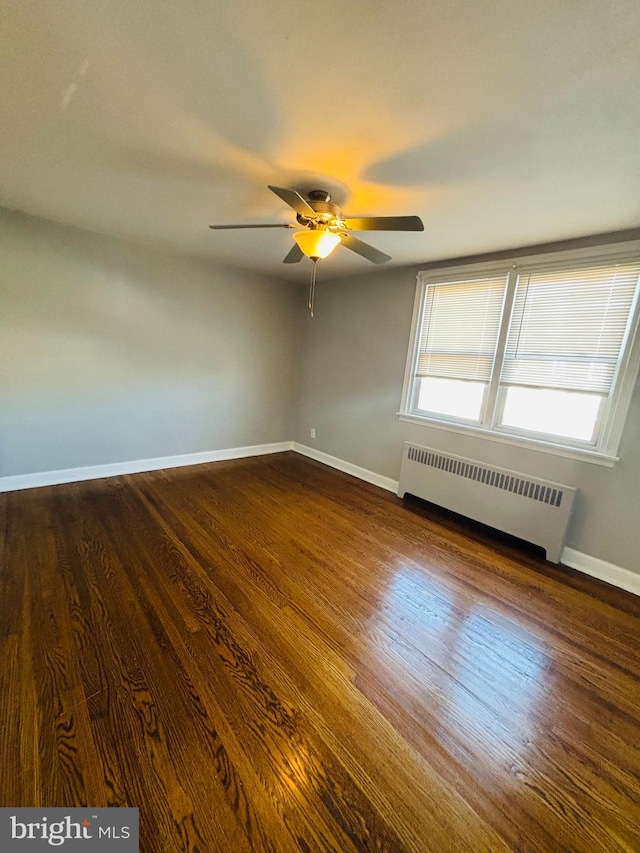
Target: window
538	352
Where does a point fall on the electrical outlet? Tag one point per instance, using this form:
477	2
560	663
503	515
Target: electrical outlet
312	432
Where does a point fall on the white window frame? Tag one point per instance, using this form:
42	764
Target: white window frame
612	416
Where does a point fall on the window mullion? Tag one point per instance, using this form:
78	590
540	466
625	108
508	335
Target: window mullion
489	409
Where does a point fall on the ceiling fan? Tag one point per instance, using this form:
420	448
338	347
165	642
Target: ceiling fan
325	227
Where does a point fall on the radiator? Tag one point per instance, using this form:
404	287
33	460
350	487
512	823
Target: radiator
535	510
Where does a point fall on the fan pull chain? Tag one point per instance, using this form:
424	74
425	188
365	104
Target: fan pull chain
312	286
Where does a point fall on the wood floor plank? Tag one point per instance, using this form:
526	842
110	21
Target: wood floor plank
268	655
239	786
278	747
417	803
144	700
12	579
262	608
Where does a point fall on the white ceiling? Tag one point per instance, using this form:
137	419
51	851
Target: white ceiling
502	123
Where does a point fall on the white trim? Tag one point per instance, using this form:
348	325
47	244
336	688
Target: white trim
597	568
503	438
408	385
348	467
612	417
593	566
137	466
625	250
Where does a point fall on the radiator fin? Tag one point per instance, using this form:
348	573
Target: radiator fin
487	475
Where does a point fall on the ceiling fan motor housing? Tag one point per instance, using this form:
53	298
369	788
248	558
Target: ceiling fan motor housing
327	213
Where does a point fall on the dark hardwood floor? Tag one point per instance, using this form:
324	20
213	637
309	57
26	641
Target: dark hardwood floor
269	655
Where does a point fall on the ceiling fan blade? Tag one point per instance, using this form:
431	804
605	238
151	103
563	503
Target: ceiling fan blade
295	255
294	200
384	223
364	249
227	227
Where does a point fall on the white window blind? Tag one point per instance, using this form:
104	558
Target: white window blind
460	327
568	327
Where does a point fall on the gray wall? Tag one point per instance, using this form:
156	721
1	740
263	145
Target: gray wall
353	368
112	352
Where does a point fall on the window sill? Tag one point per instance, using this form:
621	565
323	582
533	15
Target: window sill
592	456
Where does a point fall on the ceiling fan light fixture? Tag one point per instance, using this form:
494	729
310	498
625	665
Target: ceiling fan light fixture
316	243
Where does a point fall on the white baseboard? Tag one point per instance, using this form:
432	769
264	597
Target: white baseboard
137	466
597	568
348	468
593	566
